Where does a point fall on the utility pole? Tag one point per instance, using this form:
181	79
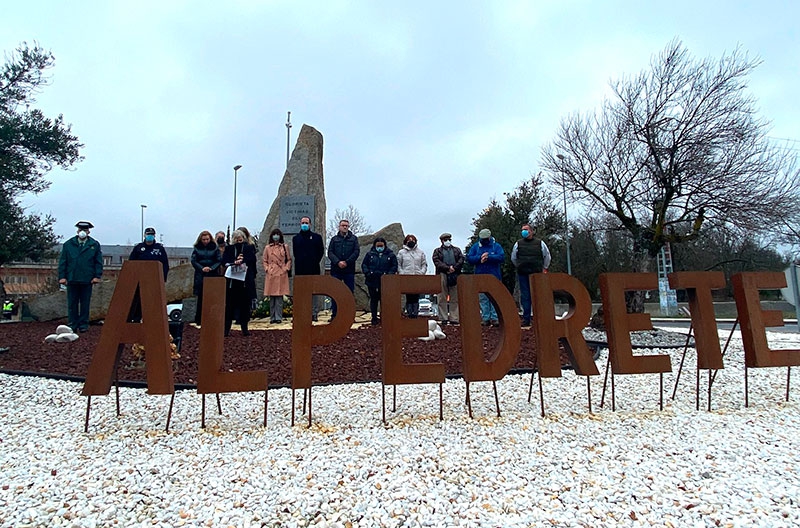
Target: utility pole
288	130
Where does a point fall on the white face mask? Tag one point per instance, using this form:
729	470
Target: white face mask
447	243
82	234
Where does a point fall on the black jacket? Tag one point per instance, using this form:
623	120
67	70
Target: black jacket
154	251
377	264
249	253
308	250
205	256
343	248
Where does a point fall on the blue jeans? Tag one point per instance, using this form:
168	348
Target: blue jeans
488	313
525	295
349	280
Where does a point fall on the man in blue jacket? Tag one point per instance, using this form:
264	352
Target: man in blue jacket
80	266
487	256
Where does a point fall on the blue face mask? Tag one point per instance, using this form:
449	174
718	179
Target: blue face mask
149	238
304	227
379	249
525	233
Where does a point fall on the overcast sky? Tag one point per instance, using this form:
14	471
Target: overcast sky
427	109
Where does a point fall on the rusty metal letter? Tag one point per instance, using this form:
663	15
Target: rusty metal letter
304	333
550	330
619	323
754	320
698	286
395	328
210	379
504	354
153	331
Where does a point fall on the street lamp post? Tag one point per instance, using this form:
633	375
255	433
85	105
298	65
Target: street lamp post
288	129
141	233
566	218
235	178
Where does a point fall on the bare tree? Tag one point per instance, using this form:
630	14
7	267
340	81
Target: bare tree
358	226
675	146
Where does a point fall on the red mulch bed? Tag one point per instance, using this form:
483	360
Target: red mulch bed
354	358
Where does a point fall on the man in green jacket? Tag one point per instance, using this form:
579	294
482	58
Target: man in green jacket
80	267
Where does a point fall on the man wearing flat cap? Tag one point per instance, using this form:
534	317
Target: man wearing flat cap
79	267
448	260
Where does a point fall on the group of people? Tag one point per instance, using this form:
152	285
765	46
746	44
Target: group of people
529	255
237	262
81	266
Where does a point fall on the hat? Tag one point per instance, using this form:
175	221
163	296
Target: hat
150	231
445	236
83	224
485	233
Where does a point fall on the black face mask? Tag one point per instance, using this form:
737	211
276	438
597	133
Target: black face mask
220	241
411	244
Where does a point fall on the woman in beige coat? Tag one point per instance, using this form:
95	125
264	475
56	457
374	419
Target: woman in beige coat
277	262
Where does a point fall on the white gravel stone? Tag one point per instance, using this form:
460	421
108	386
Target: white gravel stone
638	466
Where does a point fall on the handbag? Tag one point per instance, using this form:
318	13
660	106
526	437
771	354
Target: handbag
452	278
286	259
236	272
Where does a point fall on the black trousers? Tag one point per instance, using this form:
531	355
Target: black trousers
79	296
237	304
374	300
412	305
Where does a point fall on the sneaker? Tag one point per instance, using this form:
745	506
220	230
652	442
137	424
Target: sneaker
444	323
495	322
526	322
485	323
376	322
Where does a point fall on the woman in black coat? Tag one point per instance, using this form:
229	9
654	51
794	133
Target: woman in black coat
378	262
206	260
239	293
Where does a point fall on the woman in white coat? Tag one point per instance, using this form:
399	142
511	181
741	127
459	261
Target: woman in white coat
411	261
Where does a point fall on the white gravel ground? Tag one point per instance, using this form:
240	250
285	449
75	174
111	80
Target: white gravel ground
637	466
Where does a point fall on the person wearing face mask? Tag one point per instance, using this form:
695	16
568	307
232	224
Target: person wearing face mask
149	249
343	251
378	262
411	260
80	266
206	261
487	256
240	290
277	262
448	260
529	255
308	249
